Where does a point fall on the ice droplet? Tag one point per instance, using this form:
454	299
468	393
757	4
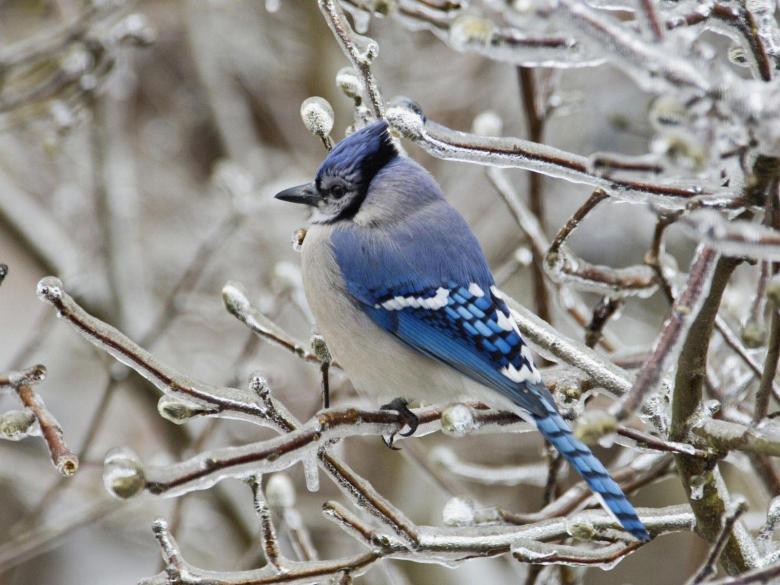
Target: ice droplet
15	425
272	5
123	473
280	491
737	56
458	512
469	29
311	471
179	411
458	420
317	115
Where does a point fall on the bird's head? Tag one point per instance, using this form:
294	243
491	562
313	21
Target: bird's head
343	178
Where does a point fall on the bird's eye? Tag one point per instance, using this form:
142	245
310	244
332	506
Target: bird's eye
337	191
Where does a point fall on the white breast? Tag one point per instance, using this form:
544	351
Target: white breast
379	365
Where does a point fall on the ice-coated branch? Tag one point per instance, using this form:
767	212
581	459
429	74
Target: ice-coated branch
237	304
653	67
442	545
730	517
672	334
448	144
730	436
360	57
734	238
769	373
203	399
703	484
19	424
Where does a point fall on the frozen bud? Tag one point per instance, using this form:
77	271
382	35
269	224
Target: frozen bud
50	289
259	385
297	239
235	298
179	411
580	529
667	111
459	512
320	349
458	420
62	115
15	425
524	256
280	491
754	334
487	123
135	29
470	30
123	473
593	425
406	117
317	115
736	54
773	290
350	83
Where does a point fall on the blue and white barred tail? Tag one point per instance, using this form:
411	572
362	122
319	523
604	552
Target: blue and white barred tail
579	455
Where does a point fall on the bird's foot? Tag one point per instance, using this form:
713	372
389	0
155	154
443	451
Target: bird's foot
401	406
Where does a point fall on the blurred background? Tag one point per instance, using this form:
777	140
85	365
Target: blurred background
145	182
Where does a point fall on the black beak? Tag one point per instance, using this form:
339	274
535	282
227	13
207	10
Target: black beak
304	194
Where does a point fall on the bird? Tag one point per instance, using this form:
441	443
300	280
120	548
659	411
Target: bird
402	293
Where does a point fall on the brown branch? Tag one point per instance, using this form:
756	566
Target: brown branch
679	322
535	121
710	504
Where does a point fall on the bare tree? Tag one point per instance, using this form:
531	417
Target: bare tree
686	401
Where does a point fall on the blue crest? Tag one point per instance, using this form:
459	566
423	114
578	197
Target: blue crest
360	155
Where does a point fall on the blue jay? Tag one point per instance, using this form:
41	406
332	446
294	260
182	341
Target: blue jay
402	292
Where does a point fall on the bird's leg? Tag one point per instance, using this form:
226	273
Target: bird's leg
401	406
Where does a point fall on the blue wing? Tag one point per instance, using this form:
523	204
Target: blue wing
430	286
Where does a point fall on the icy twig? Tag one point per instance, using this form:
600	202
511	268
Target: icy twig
564	267
205	399
361	59
535	117
764	576
64	460
769	372
652	66
268	538
650	24
673	332
730	436
730	517
734	238
448	144
734	343
237	303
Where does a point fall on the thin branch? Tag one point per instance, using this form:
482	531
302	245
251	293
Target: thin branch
730	517
361	59
673	333
447	144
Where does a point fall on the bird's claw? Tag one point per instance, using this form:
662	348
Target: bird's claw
401	406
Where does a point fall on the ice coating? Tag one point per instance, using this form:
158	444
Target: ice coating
458	420
123	473
16	425
317	115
